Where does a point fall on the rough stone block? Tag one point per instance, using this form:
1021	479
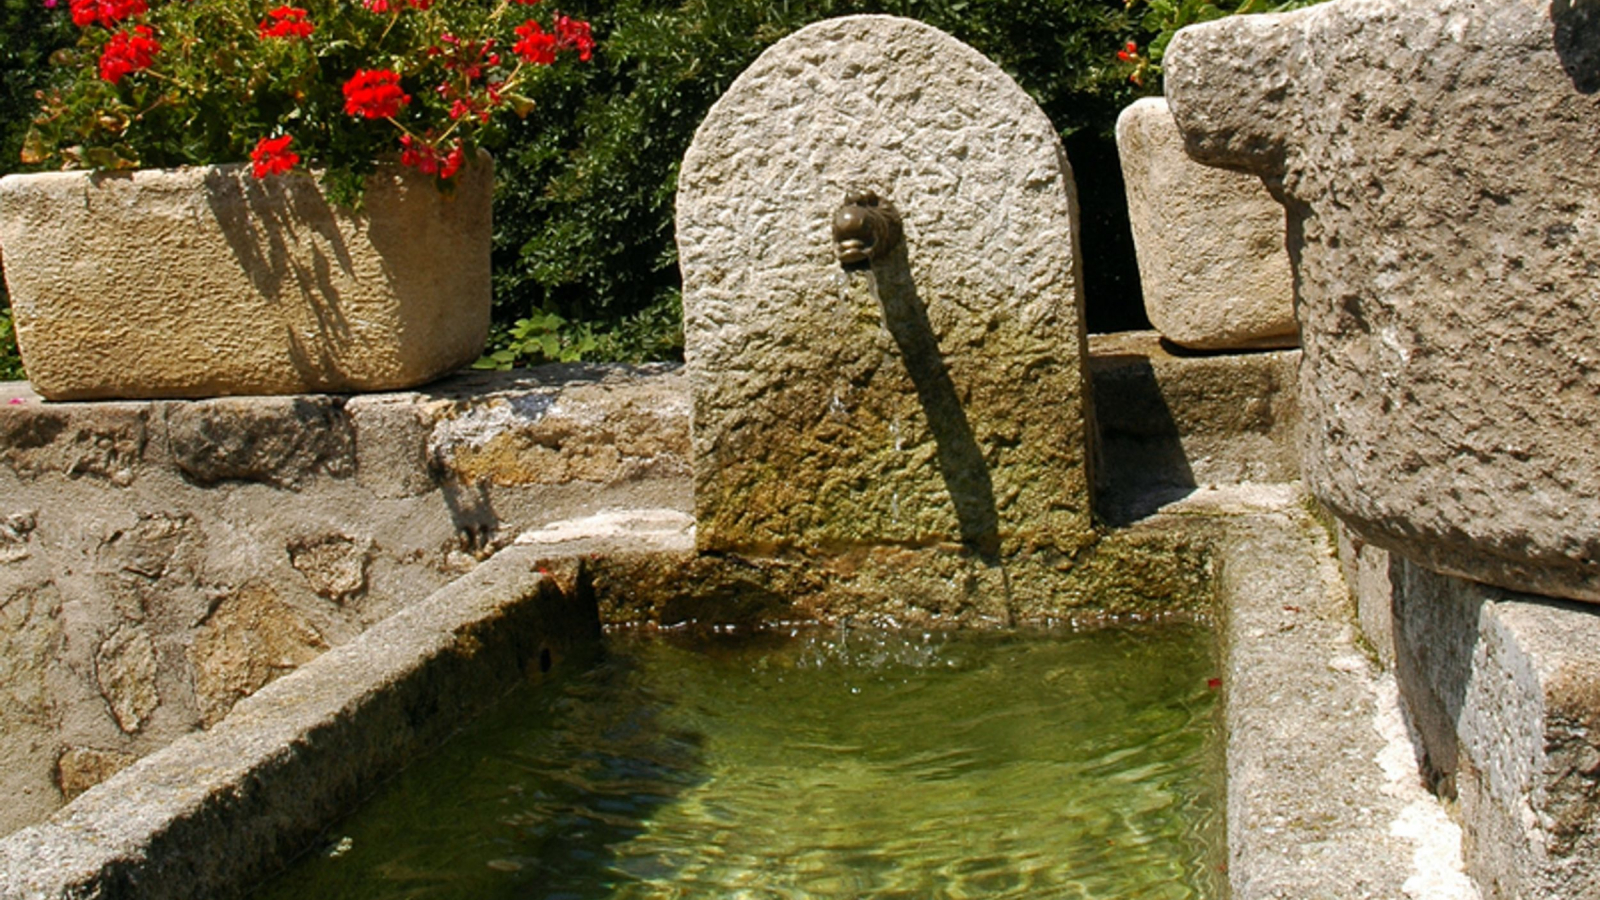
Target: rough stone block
938	398
1440	165
1504	690
252	638
202	281
81	768
276	441
1169	422
106	444
160	559
1210	243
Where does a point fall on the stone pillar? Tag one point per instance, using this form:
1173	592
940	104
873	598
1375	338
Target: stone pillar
935	400
1212	263
1440	164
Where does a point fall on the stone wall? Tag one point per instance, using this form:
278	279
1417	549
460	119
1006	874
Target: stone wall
161	560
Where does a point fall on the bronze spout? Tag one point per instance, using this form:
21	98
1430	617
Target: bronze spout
865	229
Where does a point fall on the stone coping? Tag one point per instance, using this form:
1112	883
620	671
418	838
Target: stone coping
1325	801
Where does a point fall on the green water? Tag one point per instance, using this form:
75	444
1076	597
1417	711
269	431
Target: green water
821	764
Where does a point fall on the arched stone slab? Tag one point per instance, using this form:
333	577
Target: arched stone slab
1440	163
940	400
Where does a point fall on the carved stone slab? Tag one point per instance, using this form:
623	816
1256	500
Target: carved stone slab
1440	162
939	399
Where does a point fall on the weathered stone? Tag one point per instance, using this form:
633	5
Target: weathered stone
15	530
1504	690
1323	798
606	430
30	642
1440	164
203	281
251	638
125	667
152	547
107	443
391	437
1212	262
1170	422
220	811
201	496
272	440
81	768
1159	570
842	409
335	565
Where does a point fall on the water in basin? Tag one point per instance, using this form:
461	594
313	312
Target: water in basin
816	763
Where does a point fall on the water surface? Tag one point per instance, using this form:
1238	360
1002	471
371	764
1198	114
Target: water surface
816	764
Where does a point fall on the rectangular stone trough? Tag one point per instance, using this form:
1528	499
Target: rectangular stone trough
1323	798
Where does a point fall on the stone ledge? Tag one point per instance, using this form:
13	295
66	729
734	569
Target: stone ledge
141	541
1170	420
1324	801
217	811
1505	691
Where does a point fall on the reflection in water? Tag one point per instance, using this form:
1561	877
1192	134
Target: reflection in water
822	764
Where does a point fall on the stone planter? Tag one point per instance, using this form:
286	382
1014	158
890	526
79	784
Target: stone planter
1210	242
205	281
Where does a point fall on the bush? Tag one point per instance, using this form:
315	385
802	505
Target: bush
10	363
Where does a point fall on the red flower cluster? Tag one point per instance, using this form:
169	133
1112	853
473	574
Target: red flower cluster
384	6
427	159
286	22
106	12
539	47
272	156
534	45
374	94
574	33
1128	53
126	53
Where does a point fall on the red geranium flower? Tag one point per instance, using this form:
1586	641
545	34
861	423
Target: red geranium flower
383	6
286	22
126	53
106	12
575	33
534	45
272	156
1129	52
374	94
427	159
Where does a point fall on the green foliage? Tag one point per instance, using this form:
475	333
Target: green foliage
651	334
10	362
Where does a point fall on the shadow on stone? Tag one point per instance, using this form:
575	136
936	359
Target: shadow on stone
471	512
1577	40
961	462
1142	463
